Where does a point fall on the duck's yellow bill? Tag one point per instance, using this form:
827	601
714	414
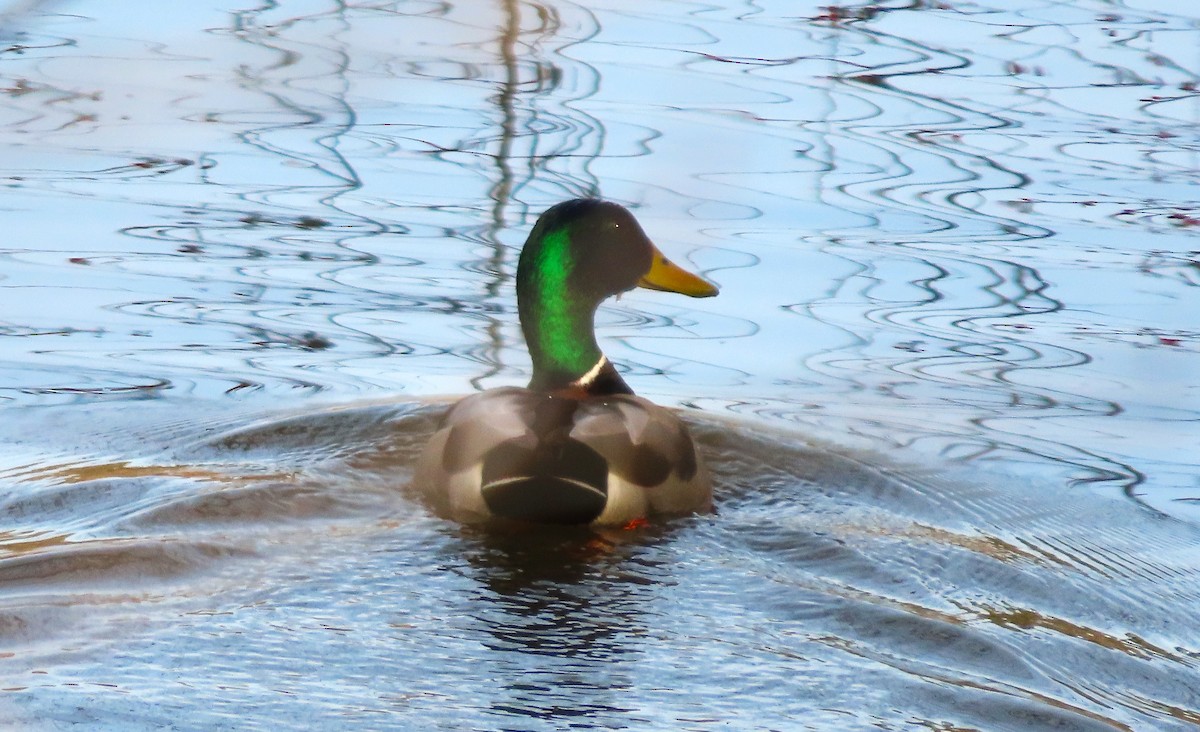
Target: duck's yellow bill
664	275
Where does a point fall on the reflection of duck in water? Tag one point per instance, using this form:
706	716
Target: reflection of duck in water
576	446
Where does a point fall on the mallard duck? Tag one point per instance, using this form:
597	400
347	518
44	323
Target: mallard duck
576	446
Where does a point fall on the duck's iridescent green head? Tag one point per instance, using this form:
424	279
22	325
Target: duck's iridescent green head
579	253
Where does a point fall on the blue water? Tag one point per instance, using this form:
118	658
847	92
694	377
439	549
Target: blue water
948	388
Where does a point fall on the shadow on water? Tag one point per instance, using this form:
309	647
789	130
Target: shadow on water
562	609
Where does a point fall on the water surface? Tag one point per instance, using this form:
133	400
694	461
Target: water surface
948	389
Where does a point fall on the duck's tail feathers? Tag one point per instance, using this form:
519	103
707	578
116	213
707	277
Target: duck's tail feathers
562	483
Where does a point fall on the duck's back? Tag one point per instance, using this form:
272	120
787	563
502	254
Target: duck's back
529	456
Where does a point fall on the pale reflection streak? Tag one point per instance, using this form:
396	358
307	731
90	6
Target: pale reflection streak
502	191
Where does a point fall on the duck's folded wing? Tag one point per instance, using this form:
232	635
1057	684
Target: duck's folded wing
643	443
480	422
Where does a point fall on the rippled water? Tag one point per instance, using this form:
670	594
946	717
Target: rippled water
948	389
